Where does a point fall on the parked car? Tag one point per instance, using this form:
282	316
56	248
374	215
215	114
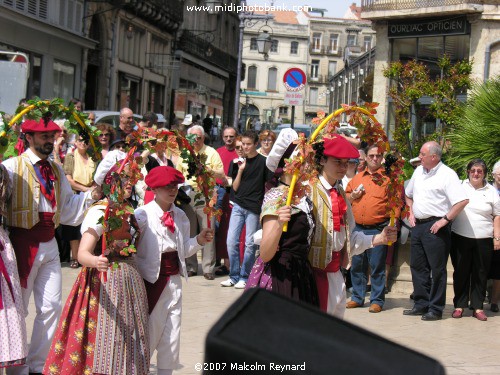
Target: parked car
300	128
348	130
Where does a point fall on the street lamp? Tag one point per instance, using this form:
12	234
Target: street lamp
264	43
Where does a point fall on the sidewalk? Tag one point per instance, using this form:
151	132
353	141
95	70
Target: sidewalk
463	346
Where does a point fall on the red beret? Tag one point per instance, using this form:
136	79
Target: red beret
33	126
163	176
340	148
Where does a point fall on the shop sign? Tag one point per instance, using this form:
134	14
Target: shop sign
429	27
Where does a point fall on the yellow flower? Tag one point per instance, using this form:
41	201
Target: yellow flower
89	348
58	347
87	371
53	369
93	302
91	325
83	313
79	335
74	358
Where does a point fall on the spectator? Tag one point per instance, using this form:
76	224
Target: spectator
248	183
282	266
472	241
106	138
79	169
267	139
214	163
62	145
258	126
369	206
362	161
208	124
91	118
149	119
351	172
48	200
227	154
434	197
495	263
77	104
127	123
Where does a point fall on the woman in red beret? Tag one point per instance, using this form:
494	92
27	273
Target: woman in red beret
162	248
104	325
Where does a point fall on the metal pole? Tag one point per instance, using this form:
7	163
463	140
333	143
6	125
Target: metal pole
292	122
238	77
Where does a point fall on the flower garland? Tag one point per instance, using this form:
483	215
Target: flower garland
75	122
370	131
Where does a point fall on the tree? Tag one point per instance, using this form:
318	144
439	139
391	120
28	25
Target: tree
477	134
412	81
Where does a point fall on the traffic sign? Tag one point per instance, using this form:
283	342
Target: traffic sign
294	79
294	98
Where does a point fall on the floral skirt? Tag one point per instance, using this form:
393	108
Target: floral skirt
104	326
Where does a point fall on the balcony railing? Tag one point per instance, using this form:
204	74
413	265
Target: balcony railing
166	15
375	5
319	79
325	50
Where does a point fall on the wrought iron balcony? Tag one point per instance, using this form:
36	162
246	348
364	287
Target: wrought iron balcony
382	5
199	47
166	15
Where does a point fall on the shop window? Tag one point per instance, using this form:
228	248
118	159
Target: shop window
129	93
404	49
429	51
64	80
283	111
155	97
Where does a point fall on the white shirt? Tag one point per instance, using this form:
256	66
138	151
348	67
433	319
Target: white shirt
359	241
72	205
434	192
476	220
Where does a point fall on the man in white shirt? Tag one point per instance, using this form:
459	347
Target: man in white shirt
42	198
435	197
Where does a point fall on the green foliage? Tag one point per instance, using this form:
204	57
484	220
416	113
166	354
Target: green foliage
410	82
477	134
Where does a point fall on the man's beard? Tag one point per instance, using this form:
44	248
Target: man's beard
46	149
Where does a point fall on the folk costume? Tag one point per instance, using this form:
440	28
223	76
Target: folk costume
334	242
289	272
104	325
42	199
163	246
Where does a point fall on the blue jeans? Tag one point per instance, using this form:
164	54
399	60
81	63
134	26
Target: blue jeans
240	217
375	258
221	191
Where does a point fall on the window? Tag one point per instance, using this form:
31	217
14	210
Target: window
271	79
294	48
283	111
334	42
64	80
351	40
313	96
316	42
314	68
274	46
332	68
252	78
253	44
367	43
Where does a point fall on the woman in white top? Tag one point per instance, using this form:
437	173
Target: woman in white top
472	241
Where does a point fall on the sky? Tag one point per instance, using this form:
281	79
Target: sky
336	8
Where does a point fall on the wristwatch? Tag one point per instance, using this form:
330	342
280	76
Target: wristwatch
446	218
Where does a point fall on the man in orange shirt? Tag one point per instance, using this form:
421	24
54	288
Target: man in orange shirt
367	192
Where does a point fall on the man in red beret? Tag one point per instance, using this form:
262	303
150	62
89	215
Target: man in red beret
42	199
163	246
334	242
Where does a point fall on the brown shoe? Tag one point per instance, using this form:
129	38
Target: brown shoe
352	305
208	276
191	273
374	308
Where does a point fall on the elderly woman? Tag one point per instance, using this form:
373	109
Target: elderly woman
472	241
266	139
495	264
106	137
283	266
104	325
13	348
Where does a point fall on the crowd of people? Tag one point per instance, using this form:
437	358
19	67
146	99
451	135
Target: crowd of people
126	301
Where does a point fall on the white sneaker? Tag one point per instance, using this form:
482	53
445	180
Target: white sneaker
240	285
228	282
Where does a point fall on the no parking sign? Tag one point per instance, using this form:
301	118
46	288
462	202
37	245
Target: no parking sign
294	79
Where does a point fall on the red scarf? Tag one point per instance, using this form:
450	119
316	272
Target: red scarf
168	221
339	208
